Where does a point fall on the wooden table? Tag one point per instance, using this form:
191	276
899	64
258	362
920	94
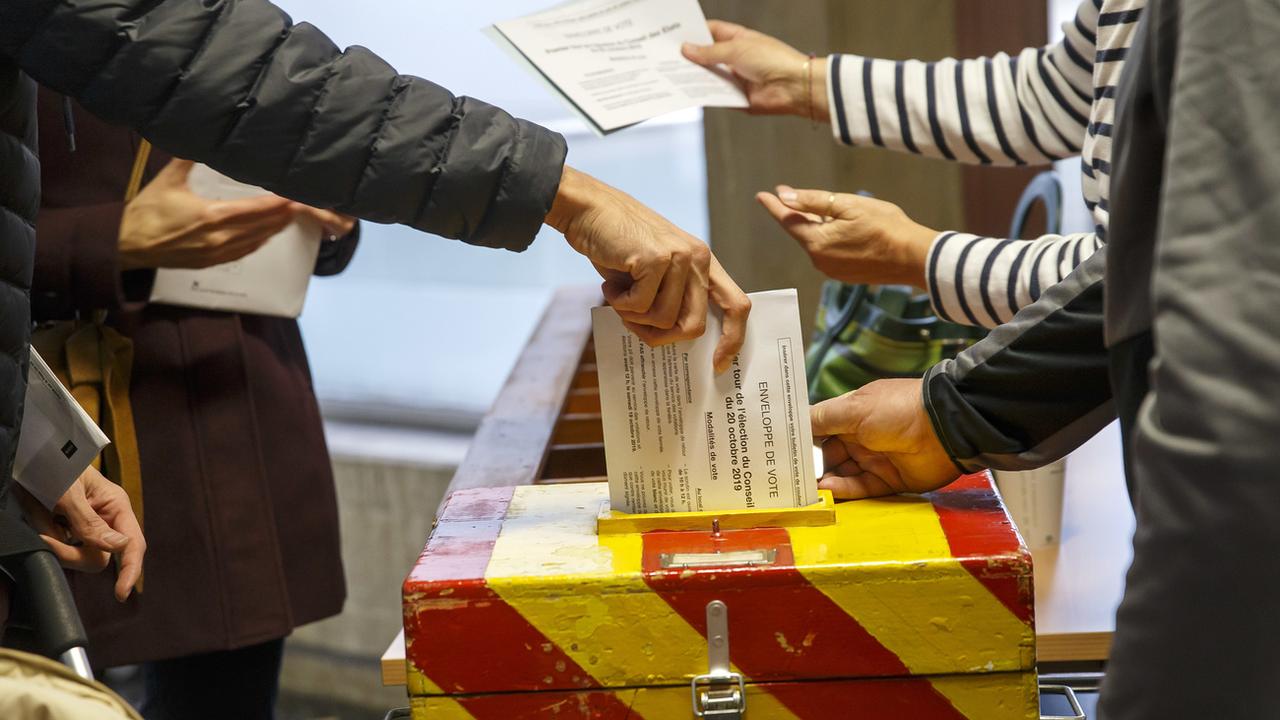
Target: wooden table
1079	581
393	669
544	427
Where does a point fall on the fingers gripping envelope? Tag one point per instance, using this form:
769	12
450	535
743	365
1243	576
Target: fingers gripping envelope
679	439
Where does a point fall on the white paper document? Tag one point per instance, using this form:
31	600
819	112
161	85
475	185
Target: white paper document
618	62
272	280
58	440
677	438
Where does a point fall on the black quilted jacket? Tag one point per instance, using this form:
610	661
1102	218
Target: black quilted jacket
19	201
237	85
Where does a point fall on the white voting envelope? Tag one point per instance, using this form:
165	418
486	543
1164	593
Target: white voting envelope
618	62
58	439
272	280
677	438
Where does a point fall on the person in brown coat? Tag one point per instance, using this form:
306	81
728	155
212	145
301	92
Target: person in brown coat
241	517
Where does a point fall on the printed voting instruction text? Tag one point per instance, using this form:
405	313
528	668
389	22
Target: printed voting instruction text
618	62
678	438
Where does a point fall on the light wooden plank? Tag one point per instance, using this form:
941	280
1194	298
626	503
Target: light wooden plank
394	671
512	440
1079	582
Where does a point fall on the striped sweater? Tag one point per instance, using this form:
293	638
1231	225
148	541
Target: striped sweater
1043	104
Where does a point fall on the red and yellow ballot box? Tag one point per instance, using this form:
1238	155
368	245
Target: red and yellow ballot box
536	602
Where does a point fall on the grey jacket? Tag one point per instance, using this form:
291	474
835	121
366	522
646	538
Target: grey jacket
1191	342
237	85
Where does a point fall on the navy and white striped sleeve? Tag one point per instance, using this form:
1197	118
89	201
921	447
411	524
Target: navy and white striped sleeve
1032	108
975	280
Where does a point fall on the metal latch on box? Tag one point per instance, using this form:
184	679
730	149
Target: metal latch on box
720	693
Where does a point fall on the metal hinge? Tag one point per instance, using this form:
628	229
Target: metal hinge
720	693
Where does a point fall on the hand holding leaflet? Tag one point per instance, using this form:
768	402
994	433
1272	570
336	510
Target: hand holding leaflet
679	438
618	62
271	280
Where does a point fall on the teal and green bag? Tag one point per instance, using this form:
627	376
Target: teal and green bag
869	332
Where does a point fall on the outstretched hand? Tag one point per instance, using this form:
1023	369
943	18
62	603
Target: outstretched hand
878	440
852	238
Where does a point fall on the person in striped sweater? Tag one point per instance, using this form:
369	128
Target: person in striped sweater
1174	331
1041	105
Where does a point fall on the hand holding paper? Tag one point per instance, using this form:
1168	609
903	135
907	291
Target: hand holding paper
169	226
657	277
57	484
617	62
224	245
771	73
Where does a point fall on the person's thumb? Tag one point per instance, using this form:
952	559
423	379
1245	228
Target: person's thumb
713	54
837	416
818	202
89	527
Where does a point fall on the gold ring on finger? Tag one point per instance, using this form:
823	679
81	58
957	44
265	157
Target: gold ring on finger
831	206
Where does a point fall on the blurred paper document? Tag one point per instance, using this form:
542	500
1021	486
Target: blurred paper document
618	62
272	280
58	439
677	438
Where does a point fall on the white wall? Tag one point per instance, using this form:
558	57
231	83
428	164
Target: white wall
1103	454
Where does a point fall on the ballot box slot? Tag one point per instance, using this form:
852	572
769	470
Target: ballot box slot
821	513
732	558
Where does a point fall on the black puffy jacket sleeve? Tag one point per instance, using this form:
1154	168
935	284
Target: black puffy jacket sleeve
235	84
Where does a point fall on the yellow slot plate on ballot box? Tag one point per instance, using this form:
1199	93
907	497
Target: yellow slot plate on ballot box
615	522
531	602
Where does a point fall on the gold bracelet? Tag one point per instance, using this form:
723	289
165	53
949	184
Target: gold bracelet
808	88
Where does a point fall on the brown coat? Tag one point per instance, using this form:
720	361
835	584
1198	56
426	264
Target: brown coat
241	516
